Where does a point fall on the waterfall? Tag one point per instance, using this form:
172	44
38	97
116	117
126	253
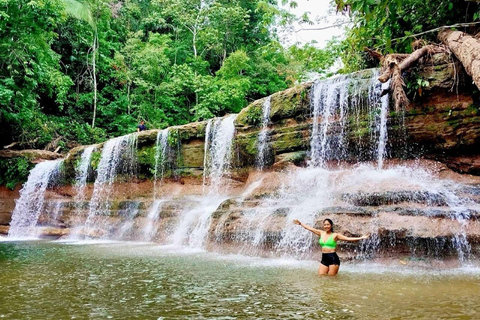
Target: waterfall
336	104
325	95
383	134
153	216
336	100
32	197
218	150
161	157
194	223
461	214
128	212
208	133
311	194
54	209
81	175
263	135
82	169
192	228
303	194
118	156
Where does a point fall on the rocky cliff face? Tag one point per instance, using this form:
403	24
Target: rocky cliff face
410	206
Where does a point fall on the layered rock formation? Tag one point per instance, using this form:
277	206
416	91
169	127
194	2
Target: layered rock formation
410	206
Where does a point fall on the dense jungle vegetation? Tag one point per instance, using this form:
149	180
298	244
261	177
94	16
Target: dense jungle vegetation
83	71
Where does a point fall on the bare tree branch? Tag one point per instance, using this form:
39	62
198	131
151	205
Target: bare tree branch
469	24
322	28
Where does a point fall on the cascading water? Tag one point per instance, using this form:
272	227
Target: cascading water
310	193
460	212
325	99
194	223
263	135
161	157
54	209
118	156
128	213
81	171
32	196
218	151
333	102
309	190
383	198
304	194
81	175
149	230
383	134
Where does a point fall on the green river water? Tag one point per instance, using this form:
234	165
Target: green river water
51	280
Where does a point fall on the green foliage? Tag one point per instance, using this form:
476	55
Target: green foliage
386	25
14	170
254	115
416	85
173	138
165	62
95	159
146	157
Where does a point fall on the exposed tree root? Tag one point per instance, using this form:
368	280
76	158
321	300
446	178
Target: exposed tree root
394	64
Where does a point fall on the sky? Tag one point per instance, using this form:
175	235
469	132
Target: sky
318	10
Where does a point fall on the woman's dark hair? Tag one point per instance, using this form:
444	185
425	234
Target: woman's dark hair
331	223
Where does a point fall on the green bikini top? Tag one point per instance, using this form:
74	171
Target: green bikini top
330	243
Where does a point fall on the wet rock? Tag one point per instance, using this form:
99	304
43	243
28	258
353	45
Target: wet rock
4	230
387	198
351	211
464	164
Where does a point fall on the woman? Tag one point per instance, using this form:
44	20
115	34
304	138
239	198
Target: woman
328	240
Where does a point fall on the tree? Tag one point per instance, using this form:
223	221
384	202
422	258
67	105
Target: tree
29	70
82	11
389	26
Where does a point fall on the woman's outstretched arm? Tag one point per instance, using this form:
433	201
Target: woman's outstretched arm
344	238
316	231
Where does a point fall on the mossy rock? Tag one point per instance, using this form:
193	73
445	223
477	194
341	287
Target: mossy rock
147	138
72	162
146	160
291	141
246	147
192	154
291	103
251	115
186	172
190	131
297	158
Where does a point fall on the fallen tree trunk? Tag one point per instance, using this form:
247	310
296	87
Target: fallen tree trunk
35	155
466	48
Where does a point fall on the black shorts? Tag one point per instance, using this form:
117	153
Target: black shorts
329	259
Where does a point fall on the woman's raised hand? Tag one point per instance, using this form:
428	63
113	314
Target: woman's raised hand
297	222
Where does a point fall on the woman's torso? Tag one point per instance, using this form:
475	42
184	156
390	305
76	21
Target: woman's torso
327	242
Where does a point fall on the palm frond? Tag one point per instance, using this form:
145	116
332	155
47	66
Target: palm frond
80	11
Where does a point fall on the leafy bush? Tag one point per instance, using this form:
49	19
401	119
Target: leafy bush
14	170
